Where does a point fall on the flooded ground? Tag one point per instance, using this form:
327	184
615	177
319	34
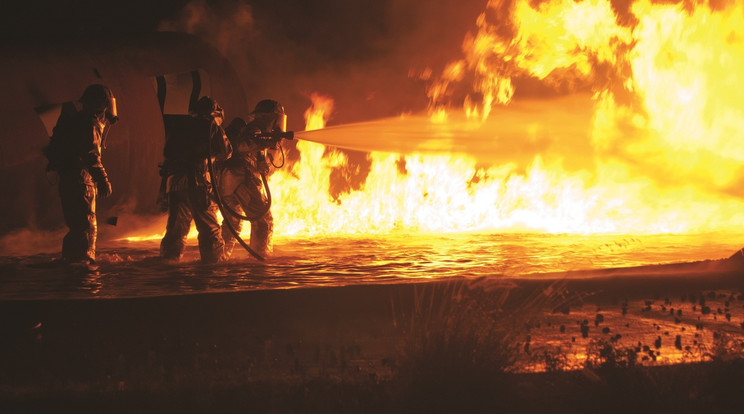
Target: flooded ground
131	269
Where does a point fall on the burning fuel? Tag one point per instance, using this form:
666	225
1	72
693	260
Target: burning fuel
559	117
645	136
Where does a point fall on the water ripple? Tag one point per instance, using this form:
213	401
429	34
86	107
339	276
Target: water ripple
133	269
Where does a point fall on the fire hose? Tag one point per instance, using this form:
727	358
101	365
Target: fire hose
225	209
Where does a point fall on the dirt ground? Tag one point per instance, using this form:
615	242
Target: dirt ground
647	339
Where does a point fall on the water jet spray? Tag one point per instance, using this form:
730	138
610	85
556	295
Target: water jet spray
517	132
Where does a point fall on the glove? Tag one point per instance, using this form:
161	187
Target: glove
104	188
102	182
262	166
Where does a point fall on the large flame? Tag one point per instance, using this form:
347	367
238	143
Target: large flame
666	136
663	152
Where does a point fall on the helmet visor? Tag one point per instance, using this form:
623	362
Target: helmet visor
111	113
281	122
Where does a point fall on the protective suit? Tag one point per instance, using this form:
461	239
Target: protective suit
74	152
241	184
189	190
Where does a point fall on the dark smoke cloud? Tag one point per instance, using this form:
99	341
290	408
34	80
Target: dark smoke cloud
359	53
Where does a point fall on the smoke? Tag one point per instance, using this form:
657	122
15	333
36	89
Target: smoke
227	28
360	52
23	241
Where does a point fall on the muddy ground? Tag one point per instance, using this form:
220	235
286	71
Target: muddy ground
647	339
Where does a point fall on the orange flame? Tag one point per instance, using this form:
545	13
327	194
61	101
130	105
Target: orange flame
666	142
317	115
664	152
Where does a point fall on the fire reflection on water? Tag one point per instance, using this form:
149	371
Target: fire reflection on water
132	269
658	331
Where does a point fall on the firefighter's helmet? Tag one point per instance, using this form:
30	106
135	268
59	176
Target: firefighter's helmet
99	98
208	107
273	109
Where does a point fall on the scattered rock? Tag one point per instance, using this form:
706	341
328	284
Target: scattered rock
563	308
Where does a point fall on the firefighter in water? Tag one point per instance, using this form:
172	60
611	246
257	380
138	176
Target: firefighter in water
189	190
241	176
74	152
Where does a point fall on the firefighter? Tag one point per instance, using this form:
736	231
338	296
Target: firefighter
74	152
189	190
240	177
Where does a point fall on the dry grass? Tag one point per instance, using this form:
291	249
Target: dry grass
463	341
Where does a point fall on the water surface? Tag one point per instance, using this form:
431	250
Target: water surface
131	269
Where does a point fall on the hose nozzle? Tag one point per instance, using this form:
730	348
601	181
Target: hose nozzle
276	135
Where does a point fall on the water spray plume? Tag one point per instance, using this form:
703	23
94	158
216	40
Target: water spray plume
514	133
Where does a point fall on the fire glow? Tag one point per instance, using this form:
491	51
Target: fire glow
642	132
662	153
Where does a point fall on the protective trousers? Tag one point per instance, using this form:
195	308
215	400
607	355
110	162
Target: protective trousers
77	192
183	206
241	191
